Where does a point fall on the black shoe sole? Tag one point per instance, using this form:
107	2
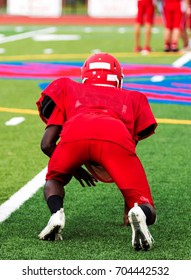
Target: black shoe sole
51	236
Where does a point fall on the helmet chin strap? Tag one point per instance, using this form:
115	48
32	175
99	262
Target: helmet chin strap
113	78
121	84
85	79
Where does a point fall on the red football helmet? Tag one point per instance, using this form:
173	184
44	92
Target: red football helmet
102	69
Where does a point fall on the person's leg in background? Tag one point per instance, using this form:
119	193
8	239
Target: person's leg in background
137	27
149	20
137	33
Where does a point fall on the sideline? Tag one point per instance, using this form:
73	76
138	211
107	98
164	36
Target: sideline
22	195
182	60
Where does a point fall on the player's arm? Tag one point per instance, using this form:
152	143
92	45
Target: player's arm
49	139
48	144
55	121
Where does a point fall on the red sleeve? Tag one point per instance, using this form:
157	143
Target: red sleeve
145	123
55	90
56	118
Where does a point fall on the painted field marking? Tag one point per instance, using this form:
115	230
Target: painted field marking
16	110
22	195
182	60
173	121
15	121
55	37
26	35
48	51
2	50
157	78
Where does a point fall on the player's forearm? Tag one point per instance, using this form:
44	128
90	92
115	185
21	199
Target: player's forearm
48	149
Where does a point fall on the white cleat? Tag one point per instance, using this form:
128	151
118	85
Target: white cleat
54	227
141	237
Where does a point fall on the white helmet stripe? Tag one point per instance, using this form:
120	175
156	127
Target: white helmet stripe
112	78
99	65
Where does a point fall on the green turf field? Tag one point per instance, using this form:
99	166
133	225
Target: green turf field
94	216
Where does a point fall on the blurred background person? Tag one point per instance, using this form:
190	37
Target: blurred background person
145	17
174	16
186	26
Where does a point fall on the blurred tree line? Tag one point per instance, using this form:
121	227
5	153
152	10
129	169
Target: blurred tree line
75	6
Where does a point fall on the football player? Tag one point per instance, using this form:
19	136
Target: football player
174	16
145	17
98	124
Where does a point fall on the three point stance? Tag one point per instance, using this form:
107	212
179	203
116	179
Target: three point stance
98	125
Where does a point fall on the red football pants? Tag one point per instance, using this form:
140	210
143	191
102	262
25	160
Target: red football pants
122	165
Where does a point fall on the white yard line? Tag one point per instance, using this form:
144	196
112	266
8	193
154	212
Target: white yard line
182	60
27	191
26	35
56	37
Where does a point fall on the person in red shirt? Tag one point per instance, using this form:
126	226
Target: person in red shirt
98	125
145	16
186	26
174	21
188	2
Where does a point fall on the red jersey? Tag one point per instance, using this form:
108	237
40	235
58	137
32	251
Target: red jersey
98	112
173	14
147	2
146	10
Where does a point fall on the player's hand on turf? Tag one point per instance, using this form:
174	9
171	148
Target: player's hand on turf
82	175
